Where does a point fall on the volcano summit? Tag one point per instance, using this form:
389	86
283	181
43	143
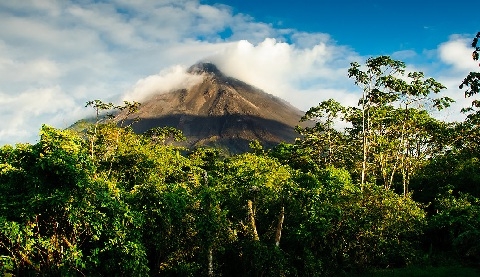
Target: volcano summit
221	111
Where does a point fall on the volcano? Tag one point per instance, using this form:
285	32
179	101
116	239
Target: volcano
221	111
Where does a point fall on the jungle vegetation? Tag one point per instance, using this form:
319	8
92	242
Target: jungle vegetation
395	188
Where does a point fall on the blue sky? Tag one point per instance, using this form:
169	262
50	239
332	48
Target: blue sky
371	27
57	54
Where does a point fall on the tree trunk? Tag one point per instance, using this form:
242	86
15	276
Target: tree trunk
364	142
210	261
251	218
278	234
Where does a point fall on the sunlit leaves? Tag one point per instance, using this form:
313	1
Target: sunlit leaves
163	134
323	141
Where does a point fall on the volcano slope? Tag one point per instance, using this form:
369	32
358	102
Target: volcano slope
221	111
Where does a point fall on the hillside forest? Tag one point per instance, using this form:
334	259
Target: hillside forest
393	188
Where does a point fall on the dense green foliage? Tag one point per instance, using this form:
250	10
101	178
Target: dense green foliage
395	188
138	208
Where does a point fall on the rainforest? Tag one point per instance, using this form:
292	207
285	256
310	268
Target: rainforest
392	187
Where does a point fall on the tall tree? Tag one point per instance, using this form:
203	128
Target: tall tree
323	140
388	117
375	92
471	126
472	81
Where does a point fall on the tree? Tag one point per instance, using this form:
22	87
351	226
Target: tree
324	142
471	129
65	218
37	184
386	118
163	134
375	91
339	228
256	192
455	225
472	81
107	112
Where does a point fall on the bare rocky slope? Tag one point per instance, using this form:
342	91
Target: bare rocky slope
221	111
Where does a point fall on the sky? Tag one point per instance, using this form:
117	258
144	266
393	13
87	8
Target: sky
55	55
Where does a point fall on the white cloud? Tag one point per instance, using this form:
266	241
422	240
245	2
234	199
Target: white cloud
56	55
115	28
19	111
404	54
302	76
94	50
453	112
167	80
457	53
41	69
308	40
298	75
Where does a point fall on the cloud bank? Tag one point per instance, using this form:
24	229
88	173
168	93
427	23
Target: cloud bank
302	76
56	55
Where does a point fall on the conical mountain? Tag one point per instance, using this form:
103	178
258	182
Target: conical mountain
221	111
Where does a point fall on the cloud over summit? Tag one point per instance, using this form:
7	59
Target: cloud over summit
166	80
299	75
